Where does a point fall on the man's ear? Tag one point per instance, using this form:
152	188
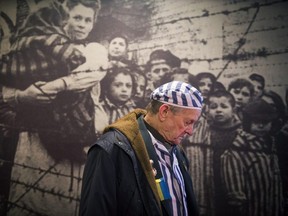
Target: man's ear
163	111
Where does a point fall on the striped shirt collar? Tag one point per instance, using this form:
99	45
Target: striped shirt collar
170	170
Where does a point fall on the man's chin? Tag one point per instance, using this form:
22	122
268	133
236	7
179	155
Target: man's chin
178	141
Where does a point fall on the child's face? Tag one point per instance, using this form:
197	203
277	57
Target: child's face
258	88
121	88
242	96
220	110
260	128
117	47
140	88
205	86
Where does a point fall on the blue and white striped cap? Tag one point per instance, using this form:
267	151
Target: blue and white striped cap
178	94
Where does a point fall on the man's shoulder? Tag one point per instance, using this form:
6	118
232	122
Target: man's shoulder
111	138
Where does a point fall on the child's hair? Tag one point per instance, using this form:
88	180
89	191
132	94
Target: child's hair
119	35
222	93
258	78
258	110
219	86
240	83
277	100
168	77
203	75
163	55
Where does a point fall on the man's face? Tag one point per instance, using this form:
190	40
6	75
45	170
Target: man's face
158	71
242	96
80	22
220	110
180	124
117	47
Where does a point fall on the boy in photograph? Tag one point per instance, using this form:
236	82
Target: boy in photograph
250	167
206	151
223	126
259	84
243	92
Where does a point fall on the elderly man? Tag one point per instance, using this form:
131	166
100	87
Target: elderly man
137	167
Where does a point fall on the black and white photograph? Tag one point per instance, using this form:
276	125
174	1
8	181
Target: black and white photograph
73	73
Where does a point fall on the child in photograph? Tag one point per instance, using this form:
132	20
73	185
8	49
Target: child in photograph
206	81
117	89
223	127
243	92
205	166
139	97
280	132
118	50
250	168
259	84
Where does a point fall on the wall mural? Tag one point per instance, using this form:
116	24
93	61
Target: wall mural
69	68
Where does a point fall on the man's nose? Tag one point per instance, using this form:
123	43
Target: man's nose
189	129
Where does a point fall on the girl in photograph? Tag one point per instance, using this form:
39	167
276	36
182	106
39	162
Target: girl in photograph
117	89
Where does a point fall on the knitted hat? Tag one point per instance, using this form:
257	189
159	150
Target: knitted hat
178	94
260	110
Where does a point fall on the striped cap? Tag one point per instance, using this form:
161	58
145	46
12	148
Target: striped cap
178	94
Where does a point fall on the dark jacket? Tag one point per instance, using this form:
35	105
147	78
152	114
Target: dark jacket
118	178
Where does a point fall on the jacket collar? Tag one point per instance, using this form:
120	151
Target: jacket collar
157	135
128	125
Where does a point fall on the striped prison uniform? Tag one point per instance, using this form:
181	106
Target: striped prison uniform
107	112
173	176
41	51
199	151
114	111
35	58
251	175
